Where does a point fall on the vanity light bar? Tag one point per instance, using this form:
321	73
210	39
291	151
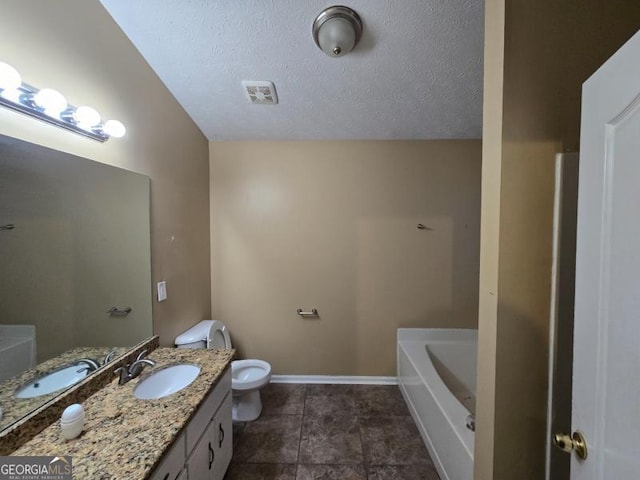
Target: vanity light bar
50	106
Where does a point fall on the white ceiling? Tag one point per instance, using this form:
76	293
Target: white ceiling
416	74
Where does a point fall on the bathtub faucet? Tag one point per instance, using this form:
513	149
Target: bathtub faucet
471	422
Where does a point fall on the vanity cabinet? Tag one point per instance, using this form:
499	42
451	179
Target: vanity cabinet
224	432
203	451
212	454
172	465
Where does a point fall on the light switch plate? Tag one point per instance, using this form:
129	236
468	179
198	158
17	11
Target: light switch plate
162	291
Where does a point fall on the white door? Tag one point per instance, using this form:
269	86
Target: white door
606	387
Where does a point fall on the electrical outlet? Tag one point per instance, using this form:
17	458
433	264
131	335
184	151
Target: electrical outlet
162	291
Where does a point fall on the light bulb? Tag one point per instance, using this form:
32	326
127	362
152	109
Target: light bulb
86	117
114	128
337	37
11	94
10	79
51	101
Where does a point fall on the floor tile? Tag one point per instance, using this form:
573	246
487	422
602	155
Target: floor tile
283	399
330	400
330	440
331	472
238	429
374	400
392	441
261	471
406	472
335	432
270	439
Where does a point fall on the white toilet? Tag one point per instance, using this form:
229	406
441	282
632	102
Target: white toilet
247	376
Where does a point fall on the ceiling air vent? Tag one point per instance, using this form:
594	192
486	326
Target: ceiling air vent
260	93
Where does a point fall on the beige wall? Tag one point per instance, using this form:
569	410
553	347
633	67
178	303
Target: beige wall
537	54
333	226
489	238
75	47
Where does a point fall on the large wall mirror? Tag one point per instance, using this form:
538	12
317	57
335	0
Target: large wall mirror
75	282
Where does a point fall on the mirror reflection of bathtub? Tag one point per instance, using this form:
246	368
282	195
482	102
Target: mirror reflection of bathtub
74	243
17	350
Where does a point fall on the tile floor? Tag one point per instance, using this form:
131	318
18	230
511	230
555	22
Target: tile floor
330	432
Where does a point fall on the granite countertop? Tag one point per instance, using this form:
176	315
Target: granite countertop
15	408
125	437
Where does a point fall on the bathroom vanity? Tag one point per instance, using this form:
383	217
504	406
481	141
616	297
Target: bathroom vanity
204	449
185	435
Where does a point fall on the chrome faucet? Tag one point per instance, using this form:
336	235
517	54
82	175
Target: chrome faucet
137	366
91	364
124	374
131	371
108	357
141	355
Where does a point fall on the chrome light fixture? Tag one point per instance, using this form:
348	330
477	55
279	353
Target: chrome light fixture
337	30
50	106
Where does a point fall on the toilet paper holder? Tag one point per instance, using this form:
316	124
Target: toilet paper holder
312	313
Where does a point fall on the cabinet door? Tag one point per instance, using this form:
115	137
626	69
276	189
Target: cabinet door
203	416
223	438
200	464
172	464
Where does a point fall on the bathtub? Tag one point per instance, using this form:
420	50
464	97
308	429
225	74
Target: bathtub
437	377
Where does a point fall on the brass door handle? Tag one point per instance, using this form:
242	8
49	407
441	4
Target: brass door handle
568	444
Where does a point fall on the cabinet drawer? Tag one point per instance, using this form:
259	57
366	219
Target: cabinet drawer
172	464
207	410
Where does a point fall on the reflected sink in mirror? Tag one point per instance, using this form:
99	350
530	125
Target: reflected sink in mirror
16	407
55	380
166	381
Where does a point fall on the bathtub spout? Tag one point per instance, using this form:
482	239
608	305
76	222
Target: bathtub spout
471	422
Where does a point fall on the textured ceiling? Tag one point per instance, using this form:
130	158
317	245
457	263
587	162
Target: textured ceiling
416	74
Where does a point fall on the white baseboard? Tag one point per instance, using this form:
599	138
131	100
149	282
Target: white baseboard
343	379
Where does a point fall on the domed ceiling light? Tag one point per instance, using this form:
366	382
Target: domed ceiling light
337	30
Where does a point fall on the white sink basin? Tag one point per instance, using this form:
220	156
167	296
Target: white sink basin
53	381
166	381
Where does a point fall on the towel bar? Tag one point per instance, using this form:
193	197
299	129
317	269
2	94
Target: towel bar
117	312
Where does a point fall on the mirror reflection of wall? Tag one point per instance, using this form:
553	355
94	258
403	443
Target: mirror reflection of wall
74	242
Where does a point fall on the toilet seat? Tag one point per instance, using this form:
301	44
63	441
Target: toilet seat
249	374
206	334
218	335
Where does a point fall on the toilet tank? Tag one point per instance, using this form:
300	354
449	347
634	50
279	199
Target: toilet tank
196	336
